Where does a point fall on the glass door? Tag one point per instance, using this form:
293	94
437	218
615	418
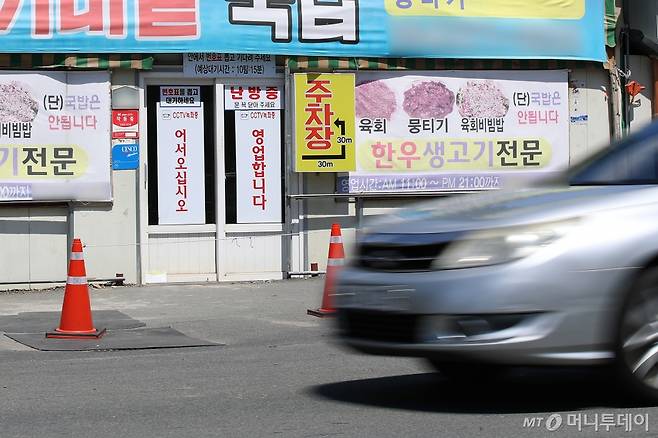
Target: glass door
181	188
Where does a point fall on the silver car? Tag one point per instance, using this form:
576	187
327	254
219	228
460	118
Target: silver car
565	274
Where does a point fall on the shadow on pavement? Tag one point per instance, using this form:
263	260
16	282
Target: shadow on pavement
523	390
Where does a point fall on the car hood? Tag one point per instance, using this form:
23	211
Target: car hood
510	208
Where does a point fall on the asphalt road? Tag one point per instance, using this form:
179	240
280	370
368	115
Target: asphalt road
278	375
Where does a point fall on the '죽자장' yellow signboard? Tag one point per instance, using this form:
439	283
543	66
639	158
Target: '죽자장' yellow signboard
324	122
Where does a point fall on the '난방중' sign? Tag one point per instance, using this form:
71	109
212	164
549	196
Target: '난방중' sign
55	136
324	122
252	97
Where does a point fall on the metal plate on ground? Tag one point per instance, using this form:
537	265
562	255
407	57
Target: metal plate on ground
33	322
138	339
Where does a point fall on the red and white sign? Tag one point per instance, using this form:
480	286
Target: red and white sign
238	97
125	123
258	166
181	179
149	20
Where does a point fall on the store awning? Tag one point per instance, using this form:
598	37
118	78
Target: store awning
610	23
303	63
77	61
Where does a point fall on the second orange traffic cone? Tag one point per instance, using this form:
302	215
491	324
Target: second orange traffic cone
76	321
334	264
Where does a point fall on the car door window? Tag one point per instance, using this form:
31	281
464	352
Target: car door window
628	164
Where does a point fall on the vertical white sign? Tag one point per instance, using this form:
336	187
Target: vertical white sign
181	181
258	166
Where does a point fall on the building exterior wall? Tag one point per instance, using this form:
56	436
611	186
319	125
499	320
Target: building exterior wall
251	256
117	235
641	112
110	231
589	96
320	214
34	241
39	235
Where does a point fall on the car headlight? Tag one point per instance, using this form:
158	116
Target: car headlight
491	247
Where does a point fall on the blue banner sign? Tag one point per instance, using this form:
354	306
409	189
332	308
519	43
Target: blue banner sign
549	29
125	156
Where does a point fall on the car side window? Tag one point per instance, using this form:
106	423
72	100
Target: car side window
628	165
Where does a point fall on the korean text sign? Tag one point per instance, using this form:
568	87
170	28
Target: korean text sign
230	65
252	97
258	166
324	122
55	137
125	123
459	130
565	29
181	180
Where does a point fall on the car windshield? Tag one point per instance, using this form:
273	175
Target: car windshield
633	161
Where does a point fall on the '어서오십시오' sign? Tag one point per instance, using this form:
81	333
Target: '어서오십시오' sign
181	159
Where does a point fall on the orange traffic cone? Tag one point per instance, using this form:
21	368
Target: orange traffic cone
76	322
334	264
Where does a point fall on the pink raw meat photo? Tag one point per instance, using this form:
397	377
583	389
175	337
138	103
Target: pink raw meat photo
16	103
428	100
375	100
482	99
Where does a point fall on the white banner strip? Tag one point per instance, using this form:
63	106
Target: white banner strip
76	280
335	262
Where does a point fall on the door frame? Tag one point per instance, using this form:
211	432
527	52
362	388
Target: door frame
220	229
147	79
251	229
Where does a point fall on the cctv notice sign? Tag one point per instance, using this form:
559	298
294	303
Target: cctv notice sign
324	122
